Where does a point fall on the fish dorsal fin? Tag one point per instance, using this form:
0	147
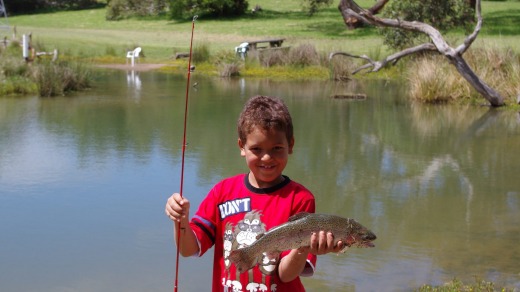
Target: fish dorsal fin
298	216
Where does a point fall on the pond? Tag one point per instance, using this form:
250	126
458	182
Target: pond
84	180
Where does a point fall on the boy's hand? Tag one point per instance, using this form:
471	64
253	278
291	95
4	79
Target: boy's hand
322	243
177	208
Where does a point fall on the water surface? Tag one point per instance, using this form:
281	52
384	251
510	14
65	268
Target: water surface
84	180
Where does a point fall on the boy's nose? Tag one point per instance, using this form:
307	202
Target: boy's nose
266	156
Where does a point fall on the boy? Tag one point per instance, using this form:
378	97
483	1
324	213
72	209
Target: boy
239	208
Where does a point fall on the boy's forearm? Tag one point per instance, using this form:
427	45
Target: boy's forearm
292	265
188	240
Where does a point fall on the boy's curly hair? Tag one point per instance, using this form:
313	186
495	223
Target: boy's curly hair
267	113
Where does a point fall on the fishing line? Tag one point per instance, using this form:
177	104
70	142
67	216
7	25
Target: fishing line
190	69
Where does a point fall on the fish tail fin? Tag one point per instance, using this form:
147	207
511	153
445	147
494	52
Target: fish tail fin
243	259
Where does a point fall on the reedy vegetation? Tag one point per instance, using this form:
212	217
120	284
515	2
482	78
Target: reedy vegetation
317	36
42	77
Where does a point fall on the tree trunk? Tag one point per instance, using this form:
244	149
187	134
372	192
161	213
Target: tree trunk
353	22
349	8
480	86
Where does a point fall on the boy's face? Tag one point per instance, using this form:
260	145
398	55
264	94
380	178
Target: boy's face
266	153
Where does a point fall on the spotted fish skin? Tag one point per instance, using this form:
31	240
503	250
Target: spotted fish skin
296	232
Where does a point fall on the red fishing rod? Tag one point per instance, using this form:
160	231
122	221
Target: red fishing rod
190	69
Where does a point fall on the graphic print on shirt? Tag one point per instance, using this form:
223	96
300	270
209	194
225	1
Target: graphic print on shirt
228	243
243	234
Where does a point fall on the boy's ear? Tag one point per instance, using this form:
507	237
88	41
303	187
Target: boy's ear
241	146
291	145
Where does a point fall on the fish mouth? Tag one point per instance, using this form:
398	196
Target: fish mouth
361	241
366	244
361	244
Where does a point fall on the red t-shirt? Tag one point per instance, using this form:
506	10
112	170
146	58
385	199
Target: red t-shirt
231	216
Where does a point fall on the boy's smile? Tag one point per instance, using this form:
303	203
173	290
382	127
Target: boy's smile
266	153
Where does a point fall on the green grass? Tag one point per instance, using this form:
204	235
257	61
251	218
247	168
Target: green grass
88	36
86	33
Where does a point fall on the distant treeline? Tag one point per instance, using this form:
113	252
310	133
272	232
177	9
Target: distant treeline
30	6
120	9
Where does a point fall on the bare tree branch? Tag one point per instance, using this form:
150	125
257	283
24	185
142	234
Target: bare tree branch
473	36
377	65
349	8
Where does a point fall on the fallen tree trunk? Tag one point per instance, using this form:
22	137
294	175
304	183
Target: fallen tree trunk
353	22
349	8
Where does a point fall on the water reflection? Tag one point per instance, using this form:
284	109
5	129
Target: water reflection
438	185
134	83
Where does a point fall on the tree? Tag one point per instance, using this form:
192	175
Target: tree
185	9
118	9
437	44
353	23
442	14
28	6
312	6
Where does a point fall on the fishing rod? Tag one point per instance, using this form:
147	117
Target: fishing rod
190	69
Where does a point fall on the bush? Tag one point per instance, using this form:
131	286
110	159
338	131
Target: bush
120	9
303	55
59	78
341	68
186	9
433	80
200	53
270	58
443	15
227	64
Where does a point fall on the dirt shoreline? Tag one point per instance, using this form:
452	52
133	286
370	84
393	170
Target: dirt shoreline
129	67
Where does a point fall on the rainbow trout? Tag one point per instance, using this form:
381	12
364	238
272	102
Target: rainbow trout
296	233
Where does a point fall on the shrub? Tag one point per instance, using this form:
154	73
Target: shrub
119	9
58	78
433	80
227	64
443	15
185	9
303	55
270	58
341	68
200	53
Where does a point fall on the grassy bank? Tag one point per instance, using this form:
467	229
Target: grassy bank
43	77
86	35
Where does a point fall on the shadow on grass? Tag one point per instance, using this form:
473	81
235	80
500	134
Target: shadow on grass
338	29
502	23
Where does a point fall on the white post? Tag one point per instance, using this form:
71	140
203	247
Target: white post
25	47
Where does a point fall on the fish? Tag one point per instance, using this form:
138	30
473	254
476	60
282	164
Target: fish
295	233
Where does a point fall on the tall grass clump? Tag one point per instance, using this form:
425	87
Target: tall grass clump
341	68
15	73
58	78
303	55
270	58
228	65
201	53
41	76
433	80
499	68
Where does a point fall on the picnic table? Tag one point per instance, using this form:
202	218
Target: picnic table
268	43
242	49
